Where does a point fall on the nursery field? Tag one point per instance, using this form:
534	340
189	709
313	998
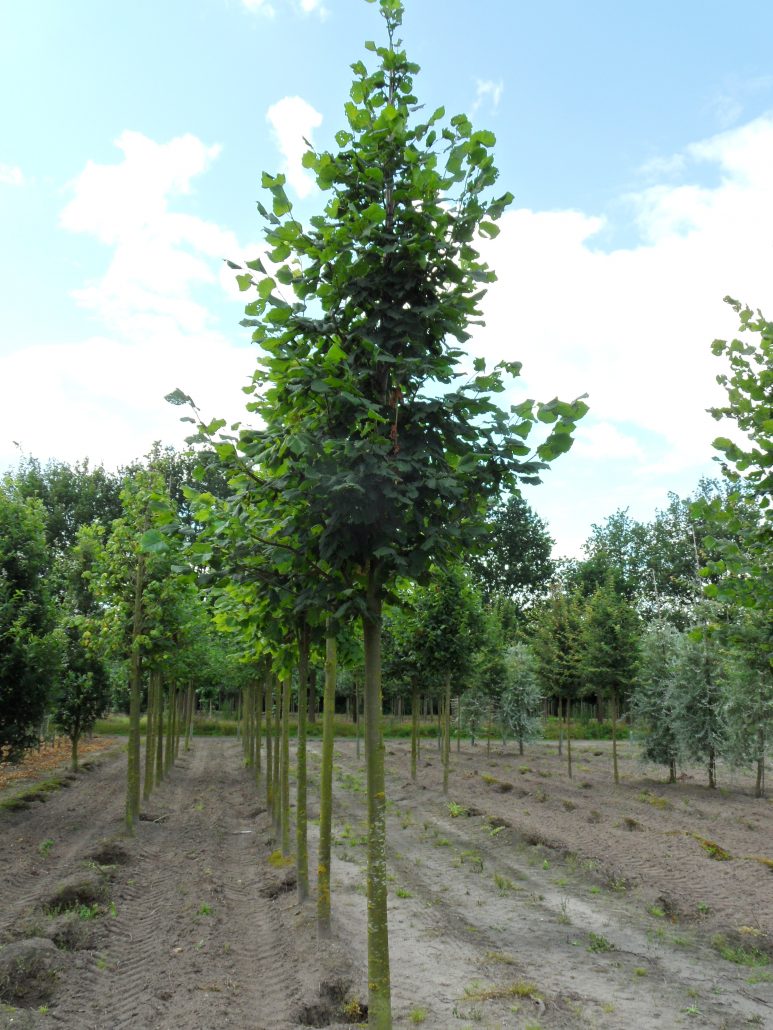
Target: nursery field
520	900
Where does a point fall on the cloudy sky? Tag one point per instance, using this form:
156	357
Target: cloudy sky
637	139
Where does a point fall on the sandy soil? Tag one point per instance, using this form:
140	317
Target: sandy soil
531	901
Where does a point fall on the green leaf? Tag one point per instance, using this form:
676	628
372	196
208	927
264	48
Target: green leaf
244	281
153	542
178	398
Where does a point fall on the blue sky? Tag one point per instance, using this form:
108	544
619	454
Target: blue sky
637	139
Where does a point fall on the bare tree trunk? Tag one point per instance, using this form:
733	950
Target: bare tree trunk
269	746
133	754
326	785
258	728
759	787
284	814
615	767
446	732
379	988
569	737
301	828
160	766
414	730
150	735
277	813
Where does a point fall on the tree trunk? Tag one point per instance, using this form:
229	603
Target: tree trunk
712	768
759	788
269	747
560	726
160	733
150	735
672	771
75	737
414	730
258	728
170	718
284	815
246	742
277	813
459	725
520	745
357	715
446	731
568	710
379	993
189	716
326	785
301	828
615	768
312	696
135	672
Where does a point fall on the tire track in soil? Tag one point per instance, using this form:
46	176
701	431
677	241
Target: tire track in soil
444	937
193	943
74	818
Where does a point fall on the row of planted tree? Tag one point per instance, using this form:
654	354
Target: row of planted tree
379	462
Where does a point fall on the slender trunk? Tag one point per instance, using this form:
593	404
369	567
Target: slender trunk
414	730
712	768
379	993
446	732
488	732
759	788
277	813
326	785
284	815
150	735
312	695
301	829
258	729
520	745
458	725
568	710
179	723
133	755
75	737
357	715
170	717
245	726
269	747
189	720
560	726
672	771
160	733
615	767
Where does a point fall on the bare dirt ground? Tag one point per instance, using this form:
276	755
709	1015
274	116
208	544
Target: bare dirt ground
530	901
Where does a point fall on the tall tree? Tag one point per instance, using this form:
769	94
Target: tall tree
656	702
516	562
557	646
610	651
382	460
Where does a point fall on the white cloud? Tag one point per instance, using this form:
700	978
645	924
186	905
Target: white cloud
487	89
260	7
314	7
269	10
603	441
11	175
293	119
103	396
633	326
